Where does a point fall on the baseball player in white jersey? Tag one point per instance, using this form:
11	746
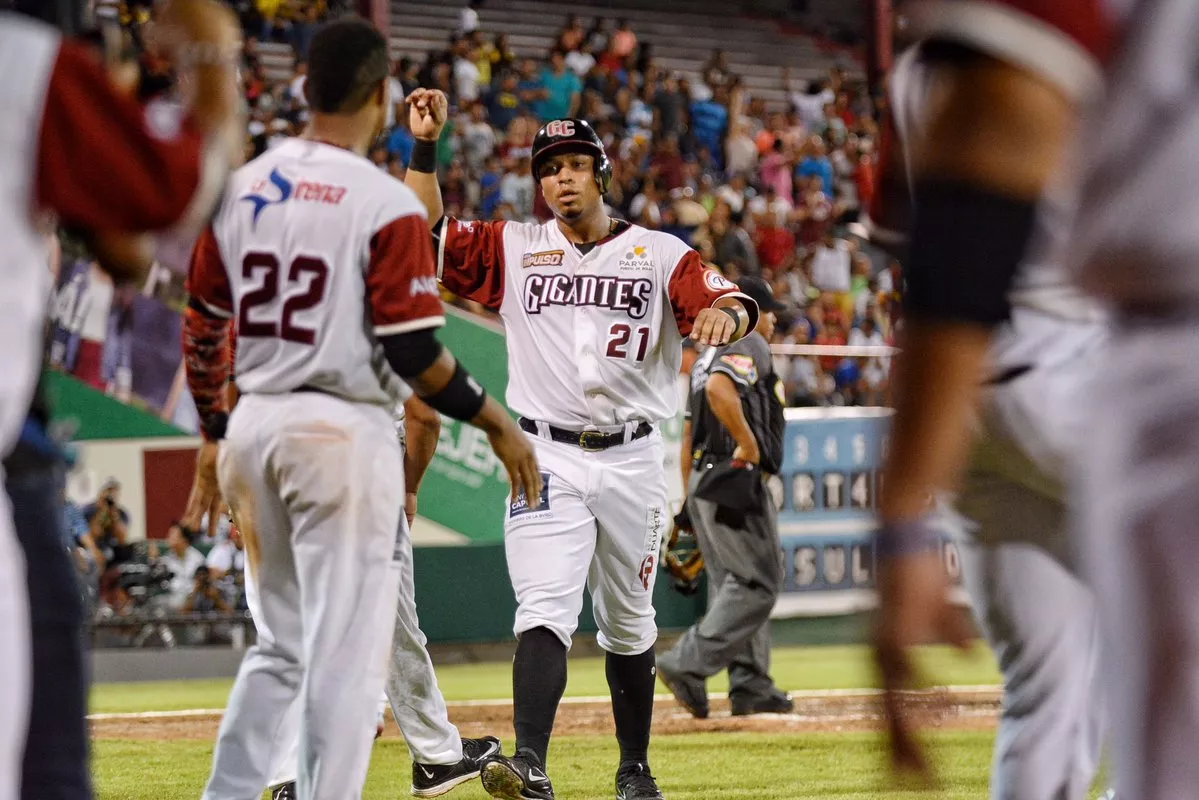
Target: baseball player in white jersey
1118	78
1018	563
326	265
76	150
595	312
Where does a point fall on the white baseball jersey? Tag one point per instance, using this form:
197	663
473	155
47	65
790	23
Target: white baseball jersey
1133	67
593	339
316	253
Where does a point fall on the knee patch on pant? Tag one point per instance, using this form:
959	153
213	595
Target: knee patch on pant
627	637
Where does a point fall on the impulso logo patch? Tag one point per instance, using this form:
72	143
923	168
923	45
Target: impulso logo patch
545	258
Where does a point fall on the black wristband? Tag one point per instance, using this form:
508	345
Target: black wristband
214	425
733	315
462	398
911	538
424	156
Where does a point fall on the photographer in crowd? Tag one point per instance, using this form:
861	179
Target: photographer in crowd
182	560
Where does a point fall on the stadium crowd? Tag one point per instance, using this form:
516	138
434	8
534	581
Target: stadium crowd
757	191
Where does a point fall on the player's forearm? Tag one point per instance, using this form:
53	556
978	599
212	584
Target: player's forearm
745	313
936	383
725	401
207	366
422	426
421	178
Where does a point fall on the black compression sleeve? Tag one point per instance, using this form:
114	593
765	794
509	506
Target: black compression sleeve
967	246
410	354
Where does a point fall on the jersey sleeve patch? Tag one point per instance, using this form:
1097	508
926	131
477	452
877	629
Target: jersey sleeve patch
692	287
738	366
470	260
1065	41
401	283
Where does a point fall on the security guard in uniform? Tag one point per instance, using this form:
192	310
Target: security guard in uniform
736	415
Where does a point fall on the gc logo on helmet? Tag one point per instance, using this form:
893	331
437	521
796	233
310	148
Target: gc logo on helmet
572	136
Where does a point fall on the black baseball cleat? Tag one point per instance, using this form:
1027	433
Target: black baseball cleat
434	780
635	782
776	703
284	791
519	777
689	691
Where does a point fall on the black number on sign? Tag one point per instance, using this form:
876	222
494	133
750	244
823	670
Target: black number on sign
268	291
618	340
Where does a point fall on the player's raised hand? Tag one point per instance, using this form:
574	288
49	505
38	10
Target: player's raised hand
428	110
713	326
205	495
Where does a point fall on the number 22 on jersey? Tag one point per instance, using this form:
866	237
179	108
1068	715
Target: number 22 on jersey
259	317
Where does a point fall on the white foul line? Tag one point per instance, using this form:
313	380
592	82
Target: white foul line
814	694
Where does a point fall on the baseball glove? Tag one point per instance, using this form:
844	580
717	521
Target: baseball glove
683	560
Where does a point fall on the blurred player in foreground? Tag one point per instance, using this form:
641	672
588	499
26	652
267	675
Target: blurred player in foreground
595	311
1018	561
1026	74
75	150
326	265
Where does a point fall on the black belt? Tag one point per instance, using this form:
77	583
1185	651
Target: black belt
587	440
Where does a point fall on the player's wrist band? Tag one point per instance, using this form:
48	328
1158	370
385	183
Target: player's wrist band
906	538
462	398
967	244
213	426
424	156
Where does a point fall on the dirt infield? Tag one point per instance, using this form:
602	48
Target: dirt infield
814	712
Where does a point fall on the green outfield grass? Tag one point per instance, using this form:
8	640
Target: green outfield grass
795	668
689	767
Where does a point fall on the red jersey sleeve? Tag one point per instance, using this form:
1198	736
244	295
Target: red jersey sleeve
470	260
1065	41
207	279
106	162
401	283
693	287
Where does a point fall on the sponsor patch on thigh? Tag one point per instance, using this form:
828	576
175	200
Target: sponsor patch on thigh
519	507
655	524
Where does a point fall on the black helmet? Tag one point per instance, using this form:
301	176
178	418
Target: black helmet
572	135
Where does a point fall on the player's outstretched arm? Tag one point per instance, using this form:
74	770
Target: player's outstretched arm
427	112
445	385
422	426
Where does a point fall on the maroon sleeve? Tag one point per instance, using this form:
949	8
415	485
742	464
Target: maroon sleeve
1084	21
207	278
470	260
693	287
107	163
401	283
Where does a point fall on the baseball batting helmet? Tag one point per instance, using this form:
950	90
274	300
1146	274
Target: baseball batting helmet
572	136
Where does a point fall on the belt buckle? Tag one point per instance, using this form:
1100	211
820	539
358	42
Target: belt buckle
591	441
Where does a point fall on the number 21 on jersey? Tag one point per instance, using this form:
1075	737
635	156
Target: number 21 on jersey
619	337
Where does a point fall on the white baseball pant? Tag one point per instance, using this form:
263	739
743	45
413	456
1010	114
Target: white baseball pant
1137	518
412	690
602	518
1021	568
316	487
16	653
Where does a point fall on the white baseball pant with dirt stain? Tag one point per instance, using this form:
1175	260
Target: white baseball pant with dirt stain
316	487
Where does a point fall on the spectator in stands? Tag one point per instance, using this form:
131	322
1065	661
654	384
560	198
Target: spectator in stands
666	166
775	242
775	169
108	523
597	35
466	74
468	19
671	105
562	90
623	41
517	189
532	89
572	36
815	213
501	56
831	265
710	123
734	246
814	162
182	559
303	27
478	139
295	90
204	595
489	188
716	71
581	61
741	154
504	103
227	557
